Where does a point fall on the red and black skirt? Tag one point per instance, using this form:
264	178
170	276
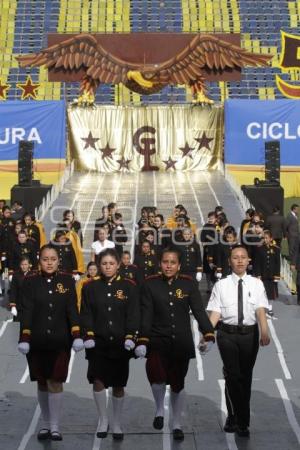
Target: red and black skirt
112	372
48	365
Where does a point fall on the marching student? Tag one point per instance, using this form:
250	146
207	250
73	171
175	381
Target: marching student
118	232
72	224
15	292
239	303
191	260
66	254
267	268
91	274
145	260
100	221
166	336
208	239
223	249
49	329
110	315
22	247
128	270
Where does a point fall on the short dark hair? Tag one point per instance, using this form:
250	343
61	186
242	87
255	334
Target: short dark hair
126	252
250	212
117	216
276	209
48	247
111	205
294	205
238	246
211	213
109	252
161	217
91	263
171	249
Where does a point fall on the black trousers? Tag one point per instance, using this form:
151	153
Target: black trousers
238	353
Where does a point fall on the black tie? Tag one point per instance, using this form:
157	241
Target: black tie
240	302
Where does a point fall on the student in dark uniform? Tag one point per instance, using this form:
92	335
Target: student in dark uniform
22	247
254	239
267	268
145	261
110	316
245	223
66	253
72	223
32	230
49	329
118	233
166	334
208	238
92	273
240	302
128	270
223	250
191	260
15	293
163	234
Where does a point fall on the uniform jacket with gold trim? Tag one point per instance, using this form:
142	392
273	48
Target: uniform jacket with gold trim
165	316
50	317
110	313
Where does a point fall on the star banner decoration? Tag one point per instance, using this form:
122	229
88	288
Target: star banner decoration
124	163
107	151
170	164
3	88
29	89
204	141
90	141
187	150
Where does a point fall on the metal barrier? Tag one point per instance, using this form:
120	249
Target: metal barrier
52	195
285	269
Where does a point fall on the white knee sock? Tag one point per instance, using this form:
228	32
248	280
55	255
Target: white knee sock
117	413
159	392
44	405
177	402
54	401
101	403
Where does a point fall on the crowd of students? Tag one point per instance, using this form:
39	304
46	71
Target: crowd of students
123	305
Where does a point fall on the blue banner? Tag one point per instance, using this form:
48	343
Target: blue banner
42	122
251	123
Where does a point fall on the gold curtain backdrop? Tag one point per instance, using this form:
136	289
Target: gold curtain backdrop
114	138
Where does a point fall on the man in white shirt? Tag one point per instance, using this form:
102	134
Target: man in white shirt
101	244
238	304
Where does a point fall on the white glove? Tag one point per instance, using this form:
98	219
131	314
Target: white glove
78	345
10	278
140	351
23	347
218	275
76	276
205	347
14	311
276	281
199	276
89	343
3	258
129	344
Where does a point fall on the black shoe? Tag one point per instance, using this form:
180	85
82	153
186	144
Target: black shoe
158	423
43	434
230	425
178	434
102	434
243	432
118	436
56	436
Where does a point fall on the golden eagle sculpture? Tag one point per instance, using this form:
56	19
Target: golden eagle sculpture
188	67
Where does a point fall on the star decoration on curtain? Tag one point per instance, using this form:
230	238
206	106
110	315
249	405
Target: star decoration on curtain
187	150
29	89
124	163
204	141
3	88
170	163
107	151
90	141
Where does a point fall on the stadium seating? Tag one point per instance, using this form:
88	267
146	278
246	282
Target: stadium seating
25	24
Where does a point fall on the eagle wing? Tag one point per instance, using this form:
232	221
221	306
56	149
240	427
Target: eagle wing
81	51
205	51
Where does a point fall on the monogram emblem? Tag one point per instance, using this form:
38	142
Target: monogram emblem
61	289
120	295
180	294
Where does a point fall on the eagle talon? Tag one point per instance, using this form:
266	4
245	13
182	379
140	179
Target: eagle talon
85	99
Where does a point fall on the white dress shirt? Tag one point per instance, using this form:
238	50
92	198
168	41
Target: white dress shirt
224	299
98	246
